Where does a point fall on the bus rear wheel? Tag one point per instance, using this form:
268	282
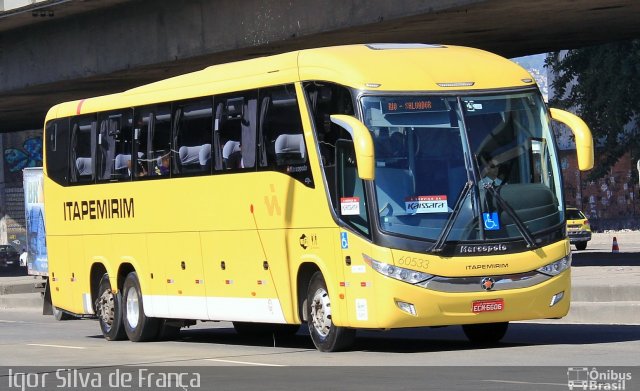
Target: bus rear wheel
137	325
109	311
485	333
326	336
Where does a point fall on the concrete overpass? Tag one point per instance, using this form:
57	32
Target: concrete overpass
56	50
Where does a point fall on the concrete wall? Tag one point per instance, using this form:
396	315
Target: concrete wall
148	32
89	48
6	5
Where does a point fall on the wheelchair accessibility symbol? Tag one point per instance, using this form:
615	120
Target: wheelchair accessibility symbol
344	240
491	221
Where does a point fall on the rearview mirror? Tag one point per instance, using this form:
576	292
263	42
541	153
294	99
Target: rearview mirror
362	142
584	140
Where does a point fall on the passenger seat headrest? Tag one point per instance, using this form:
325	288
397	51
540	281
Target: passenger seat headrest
83	164
290	143
204	155
189	155
230	147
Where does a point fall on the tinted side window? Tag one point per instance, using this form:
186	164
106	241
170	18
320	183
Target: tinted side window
323	100
57	147
141	163
235	130
152	141
82	153
282	145
114	155
193	137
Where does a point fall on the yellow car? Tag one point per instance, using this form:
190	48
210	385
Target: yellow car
578	228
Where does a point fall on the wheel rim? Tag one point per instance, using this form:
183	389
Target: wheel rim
107	308
321	312
133	310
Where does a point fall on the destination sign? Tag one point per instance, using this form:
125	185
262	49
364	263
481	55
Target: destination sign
411	104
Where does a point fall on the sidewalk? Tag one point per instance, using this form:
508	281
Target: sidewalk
18	290
605	295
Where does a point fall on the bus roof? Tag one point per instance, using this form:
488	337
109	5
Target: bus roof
375	67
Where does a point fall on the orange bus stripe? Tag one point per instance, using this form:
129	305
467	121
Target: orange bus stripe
79	106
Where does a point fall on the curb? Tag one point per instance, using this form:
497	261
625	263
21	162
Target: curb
603	293
621	312
13	289
21	301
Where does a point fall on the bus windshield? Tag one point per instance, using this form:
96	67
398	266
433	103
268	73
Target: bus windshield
430	149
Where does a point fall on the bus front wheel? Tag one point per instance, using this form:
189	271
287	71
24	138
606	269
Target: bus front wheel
326	336
137	325
485	333
109	311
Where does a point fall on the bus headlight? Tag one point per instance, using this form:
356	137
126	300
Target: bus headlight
398	273
557	267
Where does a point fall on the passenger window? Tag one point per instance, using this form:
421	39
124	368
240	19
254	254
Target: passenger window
193	137
283	146
325	99
114	157
141	163
57	145
235	130
83	147
152	141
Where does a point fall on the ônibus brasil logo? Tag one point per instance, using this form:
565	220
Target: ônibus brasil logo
594	379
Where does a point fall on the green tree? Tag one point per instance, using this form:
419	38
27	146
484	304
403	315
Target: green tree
602	84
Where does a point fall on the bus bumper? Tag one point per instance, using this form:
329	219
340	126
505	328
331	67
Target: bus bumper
405	305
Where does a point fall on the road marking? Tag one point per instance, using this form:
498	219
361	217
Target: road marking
56	346
244	362
12	321
524	382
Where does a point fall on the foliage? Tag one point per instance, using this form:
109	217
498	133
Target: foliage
602	83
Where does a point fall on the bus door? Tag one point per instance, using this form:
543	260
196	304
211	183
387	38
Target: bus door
352	209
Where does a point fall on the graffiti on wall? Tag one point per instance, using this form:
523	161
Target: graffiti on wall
28	155
20	150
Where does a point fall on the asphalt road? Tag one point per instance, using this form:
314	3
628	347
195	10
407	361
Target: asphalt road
532	356
529	354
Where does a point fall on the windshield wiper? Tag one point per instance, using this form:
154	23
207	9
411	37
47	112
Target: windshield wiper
522	228
439	244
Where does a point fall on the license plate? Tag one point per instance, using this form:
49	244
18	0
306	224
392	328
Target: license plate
487	305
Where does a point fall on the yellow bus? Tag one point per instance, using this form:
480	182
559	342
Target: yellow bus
354	187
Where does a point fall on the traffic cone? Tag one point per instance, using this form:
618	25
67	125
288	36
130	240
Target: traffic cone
614	246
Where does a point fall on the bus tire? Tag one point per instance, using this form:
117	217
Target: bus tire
485	333
581	246
137	325
109	311
325	335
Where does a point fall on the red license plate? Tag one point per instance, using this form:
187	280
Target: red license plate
487	305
